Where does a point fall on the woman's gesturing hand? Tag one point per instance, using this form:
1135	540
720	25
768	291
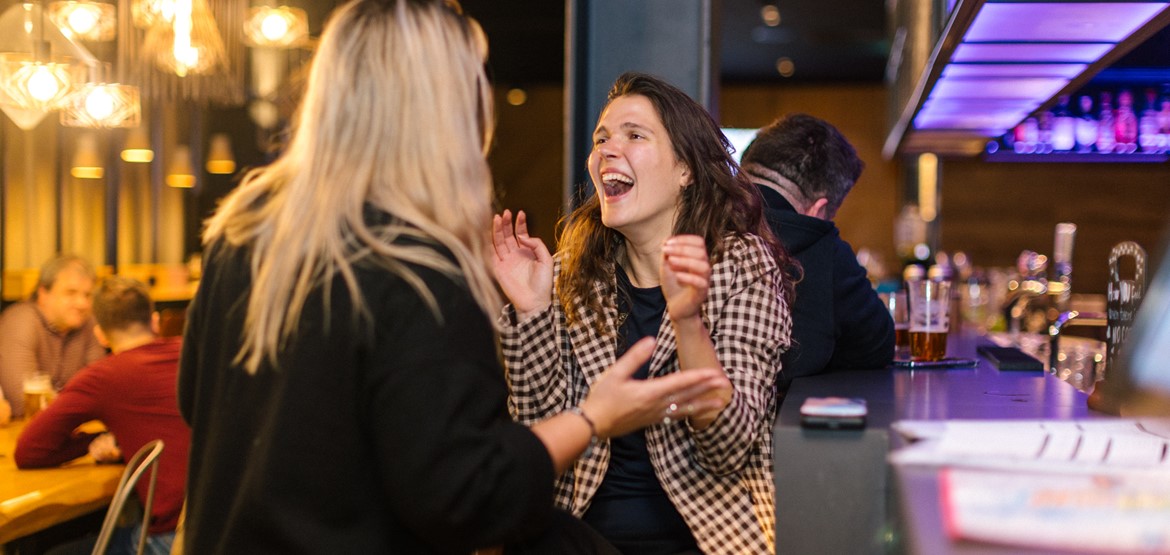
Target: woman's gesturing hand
685	275
522	264
619	403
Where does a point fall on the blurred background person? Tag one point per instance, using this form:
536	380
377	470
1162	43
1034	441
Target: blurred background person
673	245
51	334
340	370
132	392
804	167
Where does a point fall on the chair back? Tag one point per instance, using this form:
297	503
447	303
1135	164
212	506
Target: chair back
145	459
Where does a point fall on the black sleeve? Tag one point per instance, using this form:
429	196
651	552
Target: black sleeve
865	330
449	453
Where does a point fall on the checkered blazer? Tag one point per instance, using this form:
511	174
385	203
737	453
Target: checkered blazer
719	478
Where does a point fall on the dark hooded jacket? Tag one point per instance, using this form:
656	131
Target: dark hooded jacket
838	321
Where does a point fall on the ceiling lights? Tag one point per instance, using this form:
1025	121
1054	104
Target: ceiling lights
85	20
103	105
219	157
137	149
276	27
180	174
87	164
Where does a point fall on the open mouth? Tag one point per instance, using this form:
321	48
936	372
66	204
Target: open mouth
616	184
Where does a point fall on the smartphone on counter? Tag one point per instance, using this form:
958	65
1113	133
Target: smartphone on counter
833	413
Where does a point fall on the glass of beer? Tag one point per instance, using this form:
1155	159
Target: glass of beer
38	391
895	301
929	319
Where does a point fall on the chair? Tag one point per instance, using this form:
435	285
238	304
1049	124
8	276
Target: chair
145	459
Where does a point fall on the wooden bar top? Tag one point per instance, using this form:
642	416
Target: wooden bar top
32	500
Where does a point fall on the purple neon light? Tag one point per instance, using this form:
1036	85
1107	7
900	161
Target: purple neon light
1066	71
1065	22
1007	87
1085	53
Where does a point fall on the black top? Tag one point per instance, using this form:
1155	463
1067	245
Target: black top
630	507
838	321
389	435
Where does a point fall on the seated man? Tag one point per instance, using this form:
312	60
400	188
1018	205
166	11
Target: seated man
804	168
52	333
133	393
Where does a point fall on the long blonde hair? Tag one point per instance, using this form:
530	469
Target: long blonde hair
397	113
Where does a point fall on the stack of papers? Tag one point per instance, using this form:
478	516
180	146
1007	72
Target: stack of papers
1095	485
1100	514
1092	445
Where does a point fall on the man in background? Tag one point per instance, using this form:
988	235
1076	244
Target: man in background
133	393
51	333
804	168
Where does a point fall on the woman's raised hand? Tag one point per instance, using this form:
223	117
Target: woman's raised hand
685	275
522	264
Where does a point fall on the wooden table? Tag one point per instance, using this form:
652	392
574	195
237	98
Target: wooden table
32	500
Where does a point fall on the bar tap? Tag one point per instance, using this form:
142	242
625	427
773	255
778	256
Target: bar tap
1031	285
1060	286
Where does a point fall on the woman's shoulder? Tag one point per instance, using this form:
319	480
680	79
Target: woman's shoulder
746	247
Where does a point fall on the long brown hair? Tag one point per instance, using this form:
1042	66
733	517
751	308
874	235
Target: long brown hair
720	201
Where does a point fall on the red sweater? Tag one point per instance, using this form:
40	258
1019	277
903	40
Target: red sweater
133	393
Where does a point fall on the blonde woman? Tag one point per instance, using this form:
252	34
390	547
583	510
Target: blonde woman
339	369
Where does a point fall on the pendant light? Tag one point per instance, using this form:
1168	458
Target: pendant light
180	174
87	164
219	157
137	149
85	20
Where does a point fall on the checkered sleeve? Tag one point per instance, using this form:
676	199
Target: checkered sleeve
750	331
532	357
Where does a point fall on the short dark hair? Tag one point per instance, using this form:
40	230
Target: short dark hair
809	152
54	266
121	302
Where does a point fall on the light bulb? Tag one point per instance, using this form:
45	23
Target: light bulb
99	104
274	26
279	27
42	84
83	18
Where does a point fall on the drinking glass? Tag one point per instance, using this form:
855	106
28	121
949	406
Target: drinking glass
895	301
929	319
38	391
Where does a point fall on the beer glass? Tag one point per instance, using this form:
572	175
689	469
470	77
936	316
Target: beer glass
929	319
38	391
895	301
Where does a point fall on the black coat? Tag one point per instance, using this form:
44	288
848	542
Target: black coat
388	435
838	321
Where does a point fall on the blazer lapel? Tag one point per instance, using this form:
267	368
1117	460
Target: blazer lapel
594	352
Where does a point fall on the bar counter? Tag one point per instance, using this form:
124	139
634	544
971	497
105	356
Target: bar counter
834	489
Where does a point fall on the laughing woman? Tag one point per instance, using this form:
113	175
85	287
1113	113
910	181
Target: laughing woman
673	245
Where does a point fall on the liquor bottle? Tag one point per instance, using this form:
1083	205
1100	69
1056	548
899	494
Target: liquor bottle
1044	133
1148	124
1064	127
1106	135
1125	123
1027	136
1086	132
1164	119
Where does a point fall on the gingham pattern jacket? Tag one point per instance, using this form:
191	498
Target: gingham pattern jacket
719	478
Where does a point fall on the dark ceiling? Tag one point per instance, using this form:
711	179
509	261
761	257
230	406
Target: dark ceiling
826	40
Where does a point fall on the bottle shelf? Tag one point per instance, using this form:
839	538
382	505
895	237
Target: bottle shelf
1078	157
